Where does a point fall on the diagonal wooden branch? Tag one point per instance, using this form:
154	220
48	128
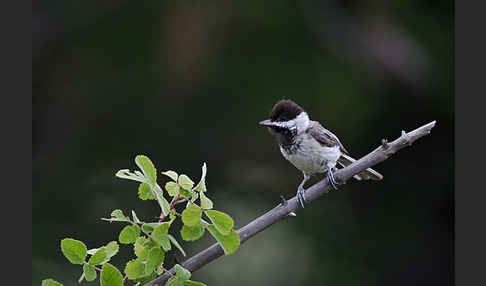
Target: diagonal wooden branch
289	207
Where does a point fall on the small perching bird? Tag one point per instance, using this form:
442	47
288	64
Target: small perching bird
308	146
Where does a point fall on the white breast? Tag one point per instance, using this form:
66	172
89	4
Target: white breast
313	158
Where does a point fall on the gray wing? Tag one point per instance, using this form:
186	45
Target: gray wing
324	136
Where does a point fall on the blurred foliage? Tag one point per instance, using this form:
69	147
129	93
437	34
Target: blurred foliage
188	81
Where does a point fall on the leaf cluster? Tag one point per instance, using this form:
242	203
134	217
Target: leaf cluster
152	240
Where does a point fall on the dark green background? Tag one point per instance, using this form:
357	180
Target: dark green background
186	82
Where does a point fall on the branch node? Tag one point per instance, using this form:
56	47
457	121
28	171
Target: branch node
384	143
284	201
407	139
291	214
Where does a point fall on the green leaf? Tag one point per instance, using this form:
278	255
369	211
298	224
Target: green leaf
145	193
229	243
117	215
177	245
89	272
201	186
97	258
171	174
111	249
192	283
141	247
165	242
162	240
159	235
126	174
173	281
191	215
74	250
223	222
182	273
162	228
191	233
110	276
147	167
148	227
206	203
172	189
129	234
50	282
155	258
187	193
134	269
141	251
185	182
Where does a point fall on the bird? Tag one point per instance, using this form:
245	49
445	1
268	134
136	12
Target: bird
309	146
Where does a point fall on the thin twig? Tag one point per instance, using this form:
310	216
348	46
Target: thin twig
282	211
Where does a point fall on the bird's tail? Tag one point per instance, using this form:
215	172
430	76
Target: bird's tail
368	174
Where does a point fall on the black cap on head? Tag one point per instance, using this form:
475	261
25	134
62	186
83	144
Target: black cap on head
285	110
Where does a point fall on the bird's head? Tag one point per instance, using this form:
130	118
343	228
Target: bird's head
286	119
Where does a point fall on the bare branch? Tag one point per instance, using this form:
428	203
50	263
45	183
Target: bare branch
288	207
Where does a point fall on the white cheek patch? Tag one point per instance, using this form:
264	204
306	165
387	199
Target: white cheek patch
300	122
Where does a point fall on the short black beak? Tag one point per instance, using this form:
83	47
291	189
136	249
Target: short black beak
266	122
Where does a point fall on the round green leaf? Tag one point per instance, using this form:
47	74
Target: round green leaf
145	193
50	282
147	167
185	182
172	189
229	243
223	222
134	269
74	250
141	248
111	249
191	233
191	215
182	273
89	272
97	258
110	276
171	174
129	234
155	258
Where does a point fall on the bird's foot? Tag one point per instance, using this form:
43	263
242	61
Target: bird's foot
331	178
301	195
